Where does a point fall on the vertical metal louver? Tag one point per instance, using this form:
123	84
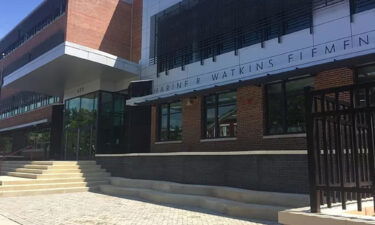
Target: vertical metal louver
194	30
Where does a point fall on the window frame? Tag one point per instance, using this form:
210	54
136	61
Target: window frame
284	106
217	124
159	123
356	72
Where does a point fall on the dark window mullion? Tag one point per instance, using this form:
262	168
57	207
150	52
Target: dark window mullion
267	110
160	121
169	122
204	116
217	132
285	108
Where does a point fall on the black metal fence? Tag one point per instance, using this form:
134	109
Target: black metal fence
340	133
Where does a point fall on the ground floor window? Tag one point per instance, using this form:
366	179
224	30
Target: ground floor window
220	115
27	144
170	121
365	74
285	106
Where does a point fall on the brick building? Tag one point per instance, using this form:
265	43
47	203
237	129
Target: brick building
228	78
63	50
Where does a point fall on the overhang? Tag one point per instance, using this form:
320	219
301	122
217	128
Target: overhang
69	65
349	61
25	125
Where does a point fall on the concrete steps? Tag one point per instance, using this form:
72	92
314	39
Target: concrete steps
43	191
51	185
229	201
56	175
48	177
49	181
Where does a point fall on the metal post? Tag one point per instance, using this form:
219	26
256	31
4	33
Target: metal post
66	144
314	193
91	152
78	137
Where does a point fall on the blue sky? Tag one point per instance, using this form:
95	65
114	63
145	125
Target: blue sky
13	11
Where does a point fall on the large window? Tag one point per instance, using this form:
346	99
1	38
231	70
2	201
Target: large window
220	115
285	112
170	121
192	31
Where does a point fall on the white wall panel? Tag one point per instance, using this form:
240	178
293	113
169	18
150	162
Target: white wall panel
333	37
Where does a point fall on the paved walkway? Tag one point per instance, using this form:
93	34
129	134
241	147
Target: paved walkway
97	209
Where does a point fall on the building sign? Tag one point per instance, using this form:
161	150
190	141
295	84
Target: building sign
335	50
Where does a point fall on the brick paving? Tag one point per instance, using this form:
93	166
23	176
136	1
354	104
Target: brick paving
97	209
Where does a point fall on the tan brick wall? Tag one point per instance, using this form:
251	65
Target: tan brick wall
106	25
250	120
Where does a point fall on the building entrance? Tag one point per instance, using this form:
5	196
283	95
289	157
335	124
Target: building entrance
94	123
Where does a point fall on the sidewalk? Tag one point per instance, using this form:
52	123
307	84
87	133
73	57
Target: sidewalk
88	208
6	221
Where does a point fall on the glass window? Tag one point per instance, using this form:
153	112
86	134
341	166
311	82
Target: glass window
286	106
220	115
208	28
170	121
363	5
275	117
365	75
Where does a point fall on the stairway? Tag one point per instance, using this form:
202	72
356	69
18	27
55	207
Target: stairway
50	177
229	201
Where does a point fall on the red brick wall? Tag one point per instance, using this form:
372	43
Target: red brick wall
8	92
106	25
250	120
137	30
29	117
334	78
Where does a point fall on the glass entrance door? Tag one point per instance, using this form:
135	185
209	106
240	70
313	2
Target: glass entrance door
80	127
94	123
80	143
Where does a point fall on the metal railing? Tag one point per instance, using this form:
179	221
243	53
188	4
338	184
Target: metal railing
340	135
25	102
